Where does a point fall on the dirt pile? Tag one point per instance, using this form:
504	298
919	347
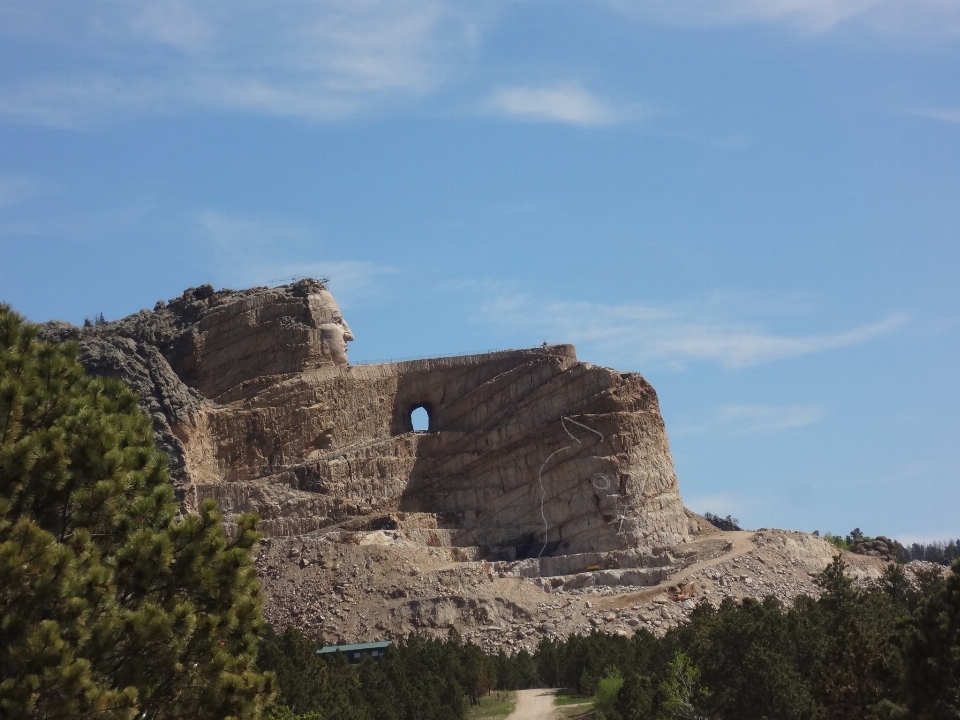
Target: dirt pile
369	585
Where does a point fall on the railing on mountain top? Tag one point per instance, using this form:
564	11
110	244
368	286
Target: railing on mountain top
287	279
453	355
388	361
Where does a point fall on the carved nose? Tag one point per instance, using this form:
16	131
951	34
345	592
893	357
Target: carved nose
347	333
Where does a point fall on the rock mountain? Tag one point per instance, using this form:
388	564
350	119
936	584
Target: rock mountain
542	498
528	452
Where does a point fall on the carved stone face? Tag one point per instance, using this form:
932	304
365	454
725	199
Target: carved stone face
334	331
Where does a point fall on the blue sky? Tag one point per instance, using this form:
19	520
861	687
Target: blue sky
754	203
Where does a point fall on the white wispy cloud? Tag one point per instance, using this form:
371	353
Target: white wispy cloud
80	101
312	61
84	224
813	15
251	252
242	236
753	420
736	346
349	279
765	418
719	329
567	103
946	114
928	18
15	189
175	23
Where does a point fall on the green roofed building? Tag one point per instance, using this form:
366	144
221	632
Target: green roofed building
357	651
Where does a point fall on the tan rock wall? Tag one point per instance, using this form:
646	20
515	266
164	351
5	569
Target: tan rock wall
529	452
495	422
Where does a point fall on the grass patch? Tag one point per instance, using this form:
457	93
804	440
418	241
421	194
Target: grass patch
577	712
569	697
497	704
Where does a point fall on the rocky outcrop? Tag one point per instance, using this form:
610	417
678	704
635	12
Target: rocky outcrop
196	345
529	453
879	547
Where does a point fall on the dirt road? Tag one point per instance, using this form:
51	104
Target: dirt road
741	543
534	705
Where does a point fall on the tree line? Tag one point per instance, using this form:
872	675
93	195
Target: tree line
722	523
884	653
942	553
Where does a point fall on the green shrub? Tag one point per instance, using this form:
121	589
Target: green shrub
837	541
605	701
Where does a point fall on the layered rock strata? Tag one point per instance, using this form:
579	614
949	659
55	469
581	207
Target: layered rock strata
529	453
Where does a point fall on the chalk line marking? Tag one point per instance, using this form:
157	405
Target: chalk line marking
543	493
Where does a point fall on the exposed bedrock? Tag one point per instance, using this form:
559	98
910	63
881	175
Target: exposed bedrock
528	452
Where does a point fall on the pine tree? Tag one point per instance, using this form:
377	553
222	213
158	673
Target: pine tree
635	699
548	661
452	699
681	689
113	607
308	682
932	653
858	671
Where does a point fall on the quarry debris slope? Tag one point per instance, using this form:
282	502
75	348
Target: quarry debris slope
365	586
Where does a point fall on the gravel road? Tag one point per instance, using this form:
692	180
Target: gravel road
534	705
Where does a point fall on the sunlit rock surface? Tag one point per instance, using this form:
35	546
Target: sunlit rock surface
528	453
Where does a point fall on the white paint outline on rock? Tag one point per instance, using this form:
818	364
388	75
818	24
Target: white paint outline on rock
543	493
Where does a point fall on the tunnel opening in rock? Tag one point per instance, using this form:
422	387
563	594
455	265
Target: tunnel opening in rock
530	547
420	419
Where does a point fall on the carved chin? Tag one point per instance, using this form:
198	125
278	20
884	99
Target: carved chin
334	345
337	350
339	355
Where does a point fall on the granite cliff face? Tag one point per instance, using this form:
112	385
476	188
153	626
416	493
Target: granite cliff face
529	453
541	501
